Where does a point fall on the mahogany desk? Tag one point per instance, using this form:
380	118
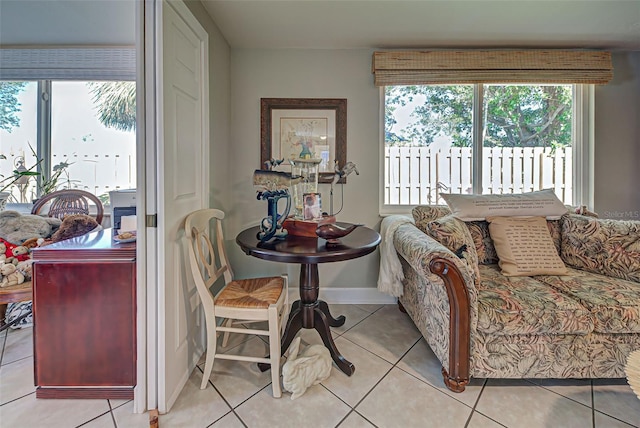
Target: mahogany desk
309	312
84	308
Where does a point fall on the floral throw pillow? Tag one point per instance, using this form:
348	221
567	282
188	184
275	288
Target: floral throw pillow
454	234
423	214
608	247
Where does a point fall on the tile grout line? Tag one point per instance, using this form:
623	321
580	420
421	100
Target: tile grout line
561	395
473	409
17	398
4	342
353	408
393	365
231	408
98	416
484	385
113	417
593	405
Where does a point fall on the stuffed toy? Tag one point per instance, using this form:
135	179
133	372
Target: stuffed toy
13	252
26	268
17	228
310	368
10	275
74	225
21	253
31	243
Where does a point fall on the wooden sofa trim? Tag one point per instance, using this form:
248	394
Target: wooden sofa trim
457	377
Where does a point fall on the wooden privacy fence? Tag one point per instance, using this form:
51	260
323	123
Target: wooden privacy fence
418	175
97	173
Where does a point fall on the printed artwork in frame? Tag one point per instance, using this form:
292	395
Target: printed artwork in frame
304	127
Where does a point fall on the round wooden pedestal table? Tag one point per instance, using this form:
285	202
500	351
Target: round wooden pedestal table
309	311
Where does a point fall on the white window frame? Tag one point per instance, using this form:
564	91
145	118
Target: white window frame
582	143
45	65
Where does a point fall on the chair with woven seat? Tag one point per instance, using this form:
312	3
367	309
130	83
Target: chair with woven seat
65	202
239	302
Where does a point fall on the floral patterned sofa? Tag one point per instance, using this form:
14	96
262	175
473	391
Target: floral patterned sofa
480	323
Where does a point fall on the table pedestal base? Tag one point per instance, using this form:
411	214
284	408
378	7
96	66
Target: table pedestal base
309	312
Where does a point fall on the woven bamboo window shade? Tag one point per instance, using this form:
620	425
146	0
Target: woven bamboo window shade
491	66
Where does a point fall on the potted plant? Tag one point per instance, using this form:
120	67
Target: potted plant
19	175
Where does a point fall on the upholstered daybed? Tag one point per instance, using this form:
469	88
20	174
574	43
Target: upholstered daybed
481	323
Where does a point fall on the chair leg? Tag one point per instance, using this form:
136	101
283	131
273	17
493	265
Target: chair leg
210	323
274	350
225	337
284	313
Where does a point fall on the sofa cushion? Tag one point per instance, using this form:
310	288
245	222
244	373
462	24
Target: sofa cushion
524	305
609	247
614	302
455	236
479	207
485	249
484	245
524	246
423	214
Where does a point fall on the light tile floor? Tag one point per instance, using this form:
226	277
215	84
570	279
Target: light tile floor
397	383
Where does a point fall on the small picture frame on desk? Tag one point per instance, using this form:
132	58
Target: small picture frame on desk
312	206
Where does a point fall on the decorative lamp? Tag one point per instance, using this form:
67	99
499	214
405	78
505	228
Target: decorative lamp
307	170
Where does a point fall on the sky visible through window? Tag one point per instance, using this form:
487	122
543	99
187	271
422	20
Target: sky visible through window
102	159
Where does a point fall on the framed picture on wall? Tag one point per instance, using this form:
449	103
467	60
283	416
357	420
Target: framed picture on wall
304	128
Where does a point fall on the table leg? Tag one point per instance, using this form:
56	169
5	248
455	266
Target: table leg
322	327
333	322
294	324
309	312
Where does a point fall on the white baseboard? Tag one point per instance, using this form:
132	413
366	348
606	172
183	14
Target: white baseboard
348	296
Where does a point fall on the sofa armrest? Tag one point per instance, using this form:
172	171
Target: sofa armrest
428	258
419	249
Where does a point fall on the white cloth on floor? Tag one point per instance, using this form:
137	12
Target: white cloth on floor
390	277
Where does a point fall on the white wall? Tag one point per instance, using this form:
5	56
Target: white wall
346	74
617	130
259	74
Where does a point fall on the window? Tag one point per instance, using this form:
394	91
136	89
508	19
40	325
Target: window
83	141
523	141
487	121
68	112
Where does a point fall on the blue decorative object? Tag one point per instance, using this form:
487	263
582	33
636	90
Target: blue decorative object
271	225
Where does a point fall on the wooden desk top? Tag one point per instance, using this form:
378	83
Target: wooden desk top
16	293
299	249
92	246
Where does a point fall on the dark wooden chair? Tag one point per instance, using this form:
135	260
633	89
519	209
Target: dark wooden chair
65	202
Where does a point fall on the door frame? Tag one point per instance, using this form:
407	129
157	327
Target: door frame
144	395
147	394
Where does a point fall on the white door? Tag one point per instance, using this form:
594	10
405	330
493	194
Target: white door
181	176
